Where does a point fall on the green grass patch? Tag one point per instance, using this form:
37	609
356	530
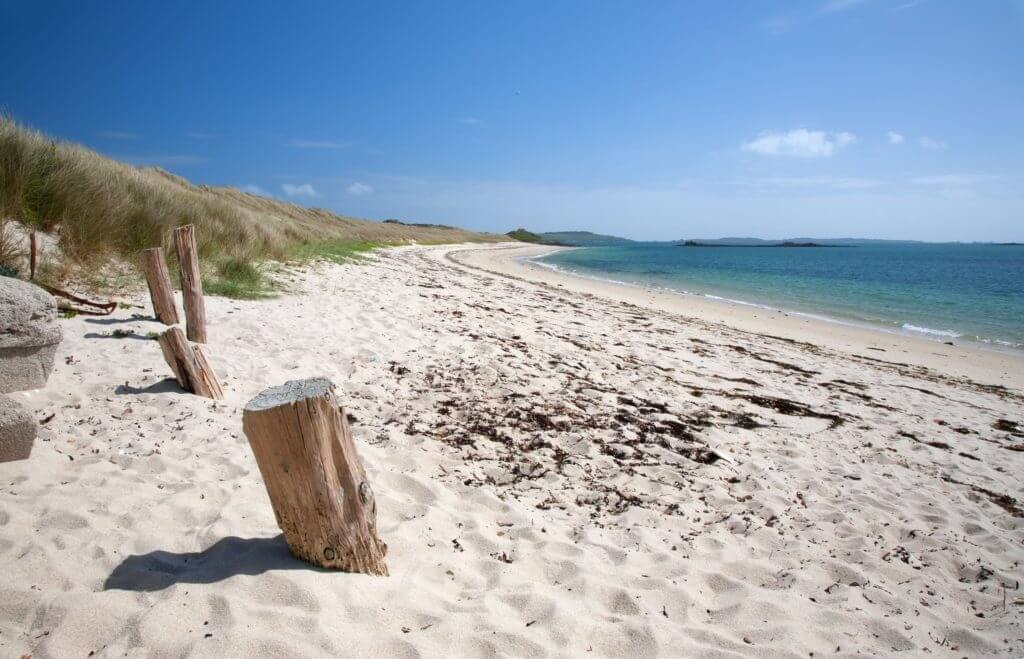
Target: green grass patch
239	279
337	251
244	279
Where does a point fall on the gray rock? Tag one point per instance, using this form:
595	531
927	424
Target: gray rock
29	334
17	430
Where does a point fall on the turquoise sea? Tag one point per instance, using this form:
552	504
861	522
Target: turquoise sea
947	292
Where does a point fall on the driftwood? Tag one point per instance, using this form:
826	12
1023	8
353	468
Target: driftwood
101	308
317	486
160	291
191	283
191	368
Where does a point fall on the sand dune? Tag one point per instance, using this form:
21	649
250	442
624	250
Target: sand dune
558	471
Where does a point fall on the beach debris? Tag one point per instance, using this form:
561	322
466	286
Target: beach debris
159	281
1006	425
17	430
790	408
321	497
92	308
29	335
191	368
191	283
1004	501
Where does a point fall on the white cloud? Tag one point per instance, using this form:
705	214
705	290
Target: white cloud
800	143
358	189
303	190
255	189
932	144
472	121
120	135
319	144
840	5
844	139
895	138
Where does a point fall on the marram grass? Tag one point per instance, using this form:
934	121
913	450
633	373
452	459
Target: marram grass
102	209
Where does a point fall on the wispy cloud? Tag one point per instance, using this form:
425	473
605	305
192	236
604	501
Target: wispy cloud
200	136
907	5
358	189
959	180
840	5
782	24
471	121
895	138
800	143
252	188
160	160
319	144
785	183
834	182
301	190
932	144
120	135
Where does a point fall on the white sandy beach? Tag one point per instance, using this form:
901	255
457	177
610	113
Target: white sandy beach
563	467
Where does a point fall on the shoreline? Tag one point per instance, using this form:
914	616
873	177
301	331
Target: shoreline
980	362
922	333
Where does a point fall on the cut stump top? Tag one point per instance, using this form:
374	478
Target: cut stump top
290	392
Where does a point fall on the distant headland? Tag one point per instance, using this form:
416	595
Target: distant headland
566	238
786	243
591	239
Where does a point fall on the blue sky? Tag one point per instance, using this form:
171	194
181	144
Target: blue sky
824	118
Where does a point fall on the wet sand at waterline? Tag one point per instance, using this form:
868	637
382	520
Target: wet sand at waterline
562	467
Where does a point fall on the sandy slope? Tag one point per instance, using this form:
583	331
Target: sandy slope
556	473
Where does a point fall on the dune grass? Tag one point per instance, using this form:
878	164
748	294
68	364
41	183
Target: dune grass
238	279
102	209
338	251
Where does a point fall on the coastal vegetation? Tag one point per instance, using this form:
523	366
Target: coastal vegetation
101	211
522	235
565	238
581	238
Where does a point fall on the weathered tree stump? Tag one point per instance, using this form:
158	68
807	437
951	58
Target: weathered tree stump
191	368
317	486
160	291
191	283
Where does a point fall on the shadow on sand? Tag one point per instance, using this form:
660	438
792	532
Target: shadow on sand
135	317
224	559
165	386
118	334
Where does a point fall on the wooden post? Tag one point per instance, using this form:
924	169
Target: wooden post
189	364
191	283
160	291
32	255
317	486
206	373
